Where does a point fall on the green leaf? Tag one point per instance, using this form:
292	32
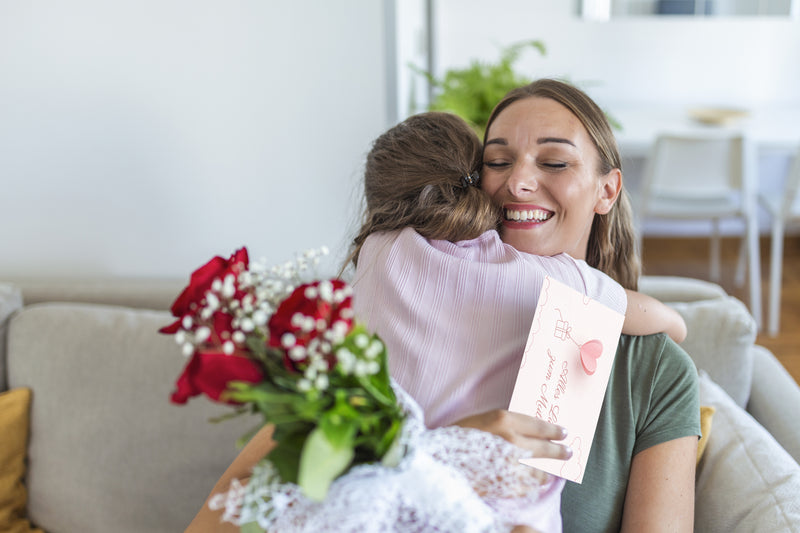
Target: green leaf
286	455
251	527
321	462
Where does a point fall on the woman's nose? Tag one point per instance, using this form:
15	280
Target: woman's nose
522	181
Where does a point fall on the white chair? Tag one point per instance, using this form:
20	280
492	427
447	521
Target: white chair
706	177
783	209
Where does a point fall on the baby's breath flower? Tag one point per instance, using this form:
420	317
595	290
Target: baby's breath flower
374	349
228	348
288	340
187	349
297	353
239	337
326	291
260	317
321	382
248	325
303	385
212	301
361	340
186	322
202	334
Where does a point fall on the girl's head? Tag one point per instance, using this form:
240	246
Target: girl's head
417	175
551	162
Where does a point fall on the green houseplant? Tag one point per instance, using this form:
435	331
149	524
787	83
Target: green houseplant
472	92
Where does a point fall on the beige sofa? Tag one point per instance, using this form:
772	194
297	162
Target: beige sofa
108	452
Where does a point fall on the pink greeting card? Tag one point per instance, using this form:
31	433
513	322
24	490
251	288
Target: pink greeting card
565	369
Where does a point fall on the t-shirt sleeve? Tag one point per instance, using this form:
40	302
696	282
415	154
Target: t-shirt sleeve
601	287
672	409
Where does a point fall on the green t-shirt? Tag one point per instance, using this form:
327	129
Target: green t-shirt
652	397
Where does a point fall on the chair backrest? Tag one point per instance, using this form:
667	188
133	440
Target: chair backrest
790	208
698	167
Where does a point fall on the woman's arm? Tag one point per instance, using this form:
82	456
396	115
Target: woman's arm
660	494
646	315
259	446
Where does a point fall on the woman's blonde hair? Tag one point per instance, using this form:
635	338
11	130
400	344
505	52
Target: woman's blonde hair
416	176
612	243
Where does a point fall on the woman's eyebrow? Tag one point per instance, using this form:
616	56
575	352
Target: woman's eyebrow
545	140
498	140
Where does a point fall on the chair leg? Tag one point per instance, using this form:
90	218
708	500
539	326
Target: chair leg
775	280
754	257
741	263
715	252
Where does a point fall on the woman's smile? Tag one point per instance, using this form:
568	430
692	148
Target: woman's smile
524	216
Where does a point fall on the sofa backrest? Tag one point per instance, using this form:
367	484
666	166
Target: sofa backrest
107	450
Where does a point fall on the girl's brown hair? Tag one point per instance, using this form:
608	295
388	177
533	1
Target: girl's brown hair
612	243
415	177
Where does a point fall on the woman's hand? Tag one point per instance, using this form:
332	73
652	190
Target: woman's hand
523	431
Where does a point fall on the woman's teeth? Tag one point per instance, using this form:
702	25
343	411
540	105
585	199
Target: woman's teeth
527	215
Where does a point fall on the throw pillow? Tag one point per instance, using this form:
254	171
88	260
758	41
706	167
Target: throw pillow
14	405
706	413
745	480
720	335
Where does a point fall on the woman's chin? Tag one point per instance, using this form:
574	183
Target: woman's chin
525	241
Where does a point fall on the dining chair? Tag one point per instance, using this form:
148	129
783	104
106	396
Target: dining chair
706	176
784	208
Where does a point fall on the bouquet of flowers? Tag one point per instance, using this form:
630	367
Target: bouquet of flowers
263	342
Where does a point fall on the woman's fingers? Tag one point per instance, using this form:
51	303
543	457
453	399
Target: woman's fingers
522	430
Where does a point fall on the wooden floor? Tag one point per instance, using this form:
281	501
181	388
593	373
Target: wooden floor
690	257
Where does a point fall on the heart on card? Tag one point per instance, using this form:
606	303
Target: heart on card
590	353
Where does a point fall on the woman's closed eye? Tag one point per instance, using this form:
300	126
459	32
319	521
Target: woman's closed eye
496	164
553	165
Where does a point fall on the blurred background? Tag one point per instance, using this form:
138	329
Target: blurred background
139	138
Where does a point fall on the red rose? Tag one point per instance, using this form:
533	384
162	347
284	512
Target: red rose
210	372
318	305
200	283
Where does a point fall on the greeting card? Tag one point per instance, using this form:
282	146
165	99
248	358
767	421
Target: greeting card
565	369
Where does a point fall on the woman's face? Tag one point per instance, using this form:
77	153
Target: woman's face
540	165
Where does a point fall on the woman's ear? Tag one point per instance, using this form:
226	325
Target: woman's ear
610	187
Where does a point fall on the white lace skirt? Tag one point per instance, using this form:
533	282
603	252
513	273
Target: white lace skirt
449	479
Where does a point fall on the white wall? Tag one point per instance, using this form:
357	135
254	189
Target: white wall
139	138
705	60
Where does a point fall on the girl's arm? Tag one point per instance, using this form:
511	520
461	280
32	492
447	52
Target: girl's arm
660	494
646	315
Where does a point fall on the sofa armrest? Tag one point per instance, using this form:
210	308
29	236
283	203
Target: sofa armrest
679	289
10	301
774	396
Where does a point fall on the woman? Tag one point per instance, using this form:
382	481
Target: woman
549	150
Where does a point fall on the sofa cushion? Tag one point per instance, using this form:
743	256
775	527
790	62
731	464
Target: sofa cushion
720	337
745	480
14	406
108	452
